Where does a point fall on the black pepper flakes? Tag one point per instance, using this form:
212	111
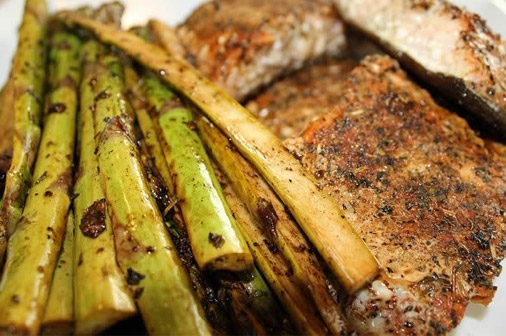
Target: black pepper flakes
133	277
216	239
15	299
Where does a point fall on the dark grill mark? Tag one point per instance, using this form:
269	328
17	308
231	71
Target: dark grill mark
133	278
267	215
93	221
216	239
57	108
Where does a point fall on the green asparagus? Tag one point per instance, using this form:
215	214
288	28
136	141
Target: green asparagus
6	125
27	76
144	250
347	256
95	264
276	270
166	37
59	314
36	242
216	242
266	208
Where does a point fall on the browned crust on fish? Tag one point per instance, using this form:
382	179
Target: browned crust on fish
291	103
421	189
245	44
451	48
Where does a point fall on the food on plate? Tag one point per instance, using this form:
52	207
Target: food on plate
345	253
422	191
166	37
59	312
27	79
450	47
290	104
275	268
35	244
6	128
144	251
216	241
281	233
95	255
232	304
245	44
341	199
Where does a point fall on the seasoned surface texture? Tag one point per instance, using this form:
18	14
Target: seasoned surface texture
450	47
290	104
244	44
420	188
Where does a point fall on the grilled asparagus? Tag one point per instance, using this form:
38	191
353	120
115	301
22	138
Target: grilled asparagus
216	242
265	207
27	76
276	270
95	258
59	314
342	249
144	251
33	248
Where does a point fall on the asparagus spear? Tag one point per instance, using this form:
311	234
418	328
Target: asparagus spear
266	208
342	249
162	190
252	306
254	309
216	242
27	76
275	269
59	314
102	297
35	244
6	126
144	251
166	37
147	127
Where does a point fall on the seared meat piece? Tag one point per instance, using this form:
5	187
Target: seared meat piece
450	47
245	44
420	188
290	104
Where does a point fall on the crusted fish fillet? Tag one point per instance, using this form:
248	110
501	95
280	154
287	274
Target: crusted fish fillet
450	47
290	104
245	44
420	188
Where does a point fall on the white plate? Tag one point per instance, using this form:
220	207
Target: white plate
478	320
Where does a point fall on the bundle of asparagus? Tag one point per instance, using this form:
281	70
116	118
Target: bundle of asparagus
159	226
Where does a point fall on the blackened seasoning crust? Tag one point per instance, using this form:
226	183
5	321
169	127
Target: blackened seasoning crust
450	47
290	104
421	189
93	221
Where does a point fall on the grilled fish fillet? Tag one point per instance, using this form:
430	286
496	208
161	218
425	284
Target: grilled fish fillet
449	47
245	44
291	103
420	188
